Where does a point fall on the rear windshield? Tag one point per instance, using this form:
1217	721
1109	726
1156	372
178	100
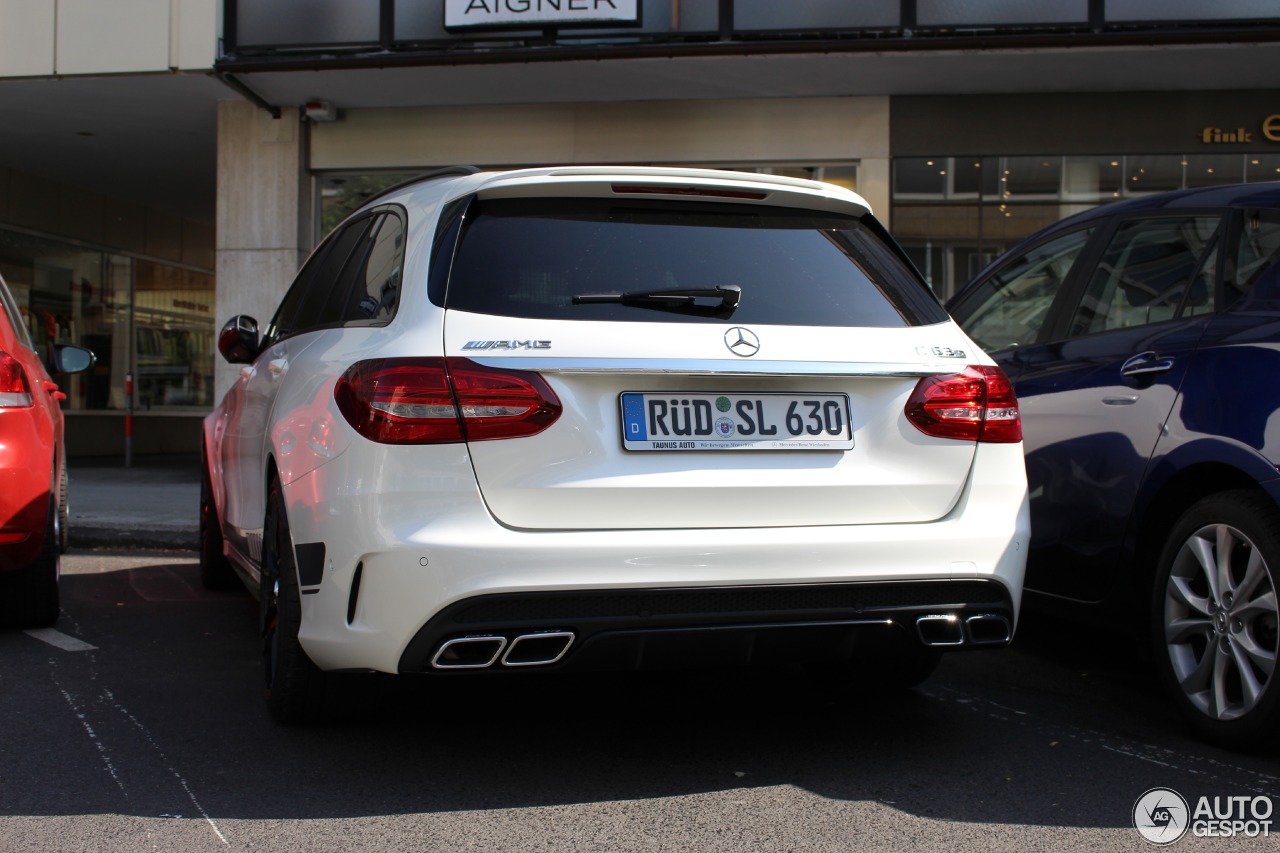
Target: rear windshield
530	258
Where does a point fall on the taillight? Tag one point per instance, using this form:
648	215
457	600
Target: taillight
14	391
439	401
501	403
977	404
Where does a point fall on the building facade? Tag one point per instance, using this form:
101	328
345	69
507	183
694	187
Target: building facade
255	125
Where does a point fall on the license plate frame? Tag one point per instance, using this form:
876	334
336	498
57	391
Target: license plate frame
740	421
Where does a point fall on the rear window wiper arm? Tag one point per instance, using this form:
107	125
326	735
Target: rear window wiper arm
728	294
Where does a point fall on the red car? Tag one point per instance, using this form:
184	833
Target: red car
33	471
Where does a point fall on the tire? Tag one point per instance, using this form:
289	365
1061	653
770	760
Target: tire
295	685
64	511
1214	618
29	596
216	572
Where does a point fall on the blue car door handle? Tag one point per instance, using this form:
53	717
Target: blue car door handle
1146	364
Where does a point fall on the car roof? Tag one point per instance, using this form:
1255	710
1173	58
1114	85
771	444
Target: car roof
1265	194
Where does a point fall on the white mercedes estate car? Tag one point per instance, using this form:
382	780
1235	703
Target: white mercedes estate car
612	418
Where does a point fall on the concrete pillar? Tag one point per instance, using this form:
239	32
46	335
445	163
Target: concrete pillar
260	215
873	185
1081	179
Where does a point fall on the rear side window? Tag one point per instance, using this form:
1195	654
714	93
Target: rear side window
1152	271
1258	251
308	298
352	280
531	257
1009	308
368	292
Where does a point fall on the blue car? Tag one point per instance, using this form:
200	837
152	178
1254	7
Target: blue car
1143	341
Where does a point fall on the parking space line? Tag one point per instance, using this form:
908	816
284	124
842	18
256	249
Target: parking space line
57	638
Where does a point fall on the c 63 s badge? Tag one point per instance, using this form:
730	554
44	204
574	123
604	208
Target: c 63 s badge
941	352
507	345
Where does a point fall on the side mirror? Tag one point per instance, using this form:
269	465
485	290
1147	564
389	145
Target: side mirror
238	340
68	358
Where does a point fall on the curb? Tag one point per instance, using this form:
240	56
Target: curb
137	539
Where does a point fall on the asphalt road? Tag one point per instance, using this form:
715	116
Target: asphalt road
151	734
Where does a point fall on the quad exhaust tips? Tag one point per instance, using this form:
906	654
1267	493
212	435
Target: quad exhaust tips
950	629
987	629
539	648
468	652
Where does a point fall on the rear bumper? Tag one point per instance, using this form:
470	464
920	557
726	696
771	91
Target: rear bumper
390	564
666	628
24	503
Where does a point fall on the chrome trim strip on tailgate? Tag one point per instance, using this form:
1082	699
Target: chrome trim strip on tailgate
716	367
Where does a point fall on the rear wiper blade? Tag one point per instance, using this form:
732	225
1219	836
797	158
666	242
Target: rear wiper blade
728	294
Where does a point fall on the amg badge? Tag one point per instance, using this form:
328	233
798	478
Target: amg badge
507	345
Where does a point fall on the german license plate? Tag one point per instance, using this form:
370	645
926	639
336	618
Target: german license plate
767	421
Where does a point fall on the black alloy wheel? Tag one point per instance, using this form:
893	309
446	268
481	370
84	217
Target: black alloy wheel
295	685
29	595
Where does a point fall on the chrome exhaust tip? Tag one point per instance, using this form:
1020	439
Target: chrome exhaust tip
988	629
538	649
468	652
940	629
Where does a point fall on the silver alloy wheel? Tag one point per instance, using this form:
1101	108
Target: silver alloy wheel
1220	622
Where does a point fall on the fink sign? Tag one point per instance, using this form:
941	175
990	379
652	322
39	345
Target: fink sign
539	13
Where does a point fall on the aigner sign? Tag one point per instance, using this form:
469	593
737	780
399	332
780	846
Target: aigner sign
539	13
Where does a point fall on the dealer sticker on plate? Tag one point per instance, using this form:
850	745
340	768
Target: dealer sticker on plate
768	421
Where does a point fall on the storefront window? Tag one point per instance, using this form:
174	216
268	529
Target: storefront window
1262	167
920	177
173	328
1030	177
949	177
69	294
1153	174
1210	170
972	176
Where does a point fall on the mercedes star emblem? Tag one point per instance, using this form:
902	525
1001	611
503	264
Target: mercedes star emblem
742	342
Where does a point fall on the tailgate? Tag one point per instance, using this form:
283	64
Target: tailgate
813	434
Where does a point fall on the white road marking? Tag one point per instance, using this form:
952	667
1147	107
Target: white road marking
146	733
105	754
60	640
93	736
1260	783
